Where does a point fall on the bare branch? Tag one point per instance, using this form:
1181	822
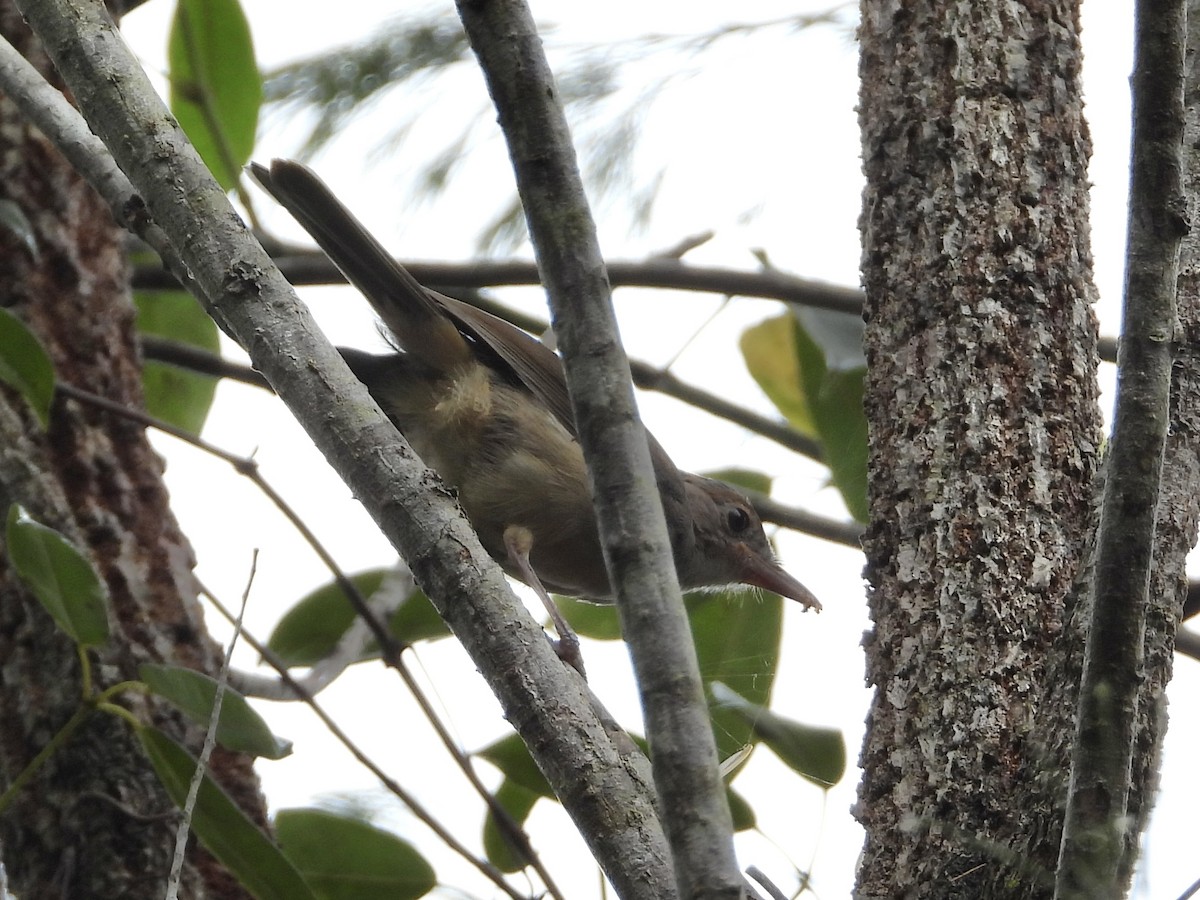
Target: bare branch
629	511
303	267
1098	844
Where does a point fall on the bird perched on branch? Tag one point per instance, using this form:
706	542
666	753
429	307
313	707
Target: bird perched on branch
485	405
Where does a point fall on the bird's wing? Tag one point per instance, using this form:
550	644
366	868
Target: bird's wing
433	325
414	321
534	364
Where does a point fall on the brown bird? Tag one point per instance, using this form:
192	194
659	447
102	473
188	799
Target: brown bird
485	405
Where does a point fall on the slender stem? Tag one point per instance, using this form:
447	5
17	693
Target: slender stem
303	267
1097	843
122	687
121	713
415	806
85	674
52	746
184	826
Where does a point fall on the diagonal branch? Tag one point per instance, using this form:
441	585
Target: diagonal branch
252	302
628	508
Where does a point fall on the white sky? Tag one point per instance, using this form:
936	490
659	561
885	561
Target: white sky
765	124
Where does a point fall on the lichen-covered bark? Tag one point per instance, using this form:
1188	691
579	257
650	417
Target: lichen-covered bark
985	432
92	824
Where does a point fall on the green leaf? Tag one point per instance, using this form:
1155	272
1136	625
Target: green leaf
818	401
347	859
511	756
743	813
25	366
223	828
836	401
216	88
818	754
844	433
769	349
60	576
174	394
239	728
417	620
518	802
310	630
737	635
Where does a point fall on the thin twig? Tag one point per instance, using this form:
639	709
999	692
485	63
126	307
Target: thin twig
395	788
303	266
1188	643
306	267
200	361
1191	891
766	883
848	534
210	741
649	378
391	648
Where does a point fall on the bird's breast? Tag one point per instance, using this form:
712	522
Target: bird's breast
512	463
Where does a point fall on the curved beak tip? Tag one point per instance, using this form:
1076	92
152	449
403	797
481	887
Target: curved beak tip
767	574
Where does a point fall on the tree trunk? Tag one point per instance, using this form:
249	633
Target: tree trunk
92	823
984	440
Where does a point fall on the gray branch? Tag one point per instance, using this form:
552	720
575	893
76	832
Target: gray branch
632	526
1097	838
250	299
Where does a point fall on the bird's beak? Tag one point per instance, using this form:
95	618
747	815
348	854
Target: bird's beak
766	574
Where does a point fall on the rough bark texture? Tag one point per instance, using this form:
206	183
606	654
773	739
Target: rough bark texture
90	825
981	346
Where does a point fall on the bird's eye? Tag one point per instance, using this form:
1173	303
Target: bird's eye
738	519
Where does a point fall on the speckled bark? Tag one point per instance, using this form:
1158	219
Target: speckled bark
985	431
90	825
